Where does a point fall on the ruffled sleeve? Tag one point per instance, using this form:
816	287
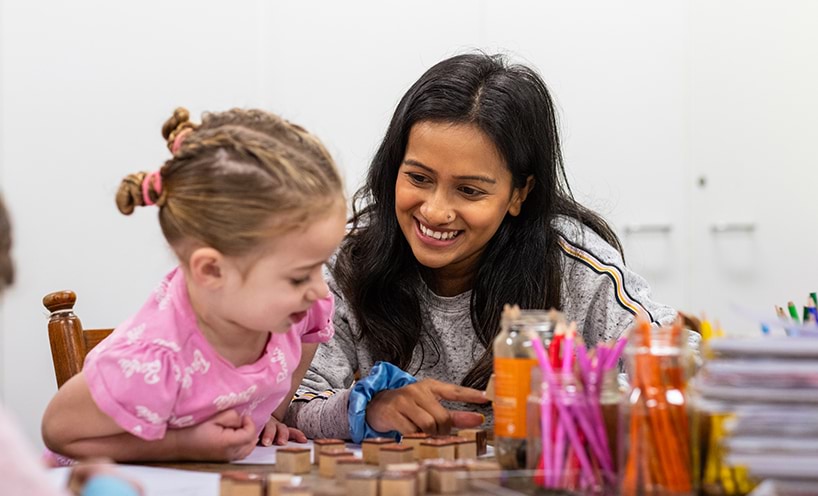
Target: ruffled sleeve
136	384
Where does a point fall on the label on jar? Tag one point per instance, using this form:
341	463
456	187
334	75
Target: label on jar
512	384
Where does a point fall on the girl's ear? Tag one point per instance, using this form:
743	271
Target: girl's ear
518	196
207	267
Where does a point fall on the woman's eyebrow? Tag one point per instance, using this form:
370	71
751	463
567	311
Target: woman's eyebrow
484	179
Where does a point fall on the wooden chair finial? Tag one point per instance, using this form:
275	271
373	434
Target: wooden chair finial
60	300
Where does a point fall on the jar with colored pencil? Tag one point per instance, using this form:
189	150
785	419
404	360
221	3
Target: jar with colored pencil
656	429
570	445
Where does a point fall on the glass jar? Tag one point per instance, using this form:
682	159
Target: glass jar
513	360
656	458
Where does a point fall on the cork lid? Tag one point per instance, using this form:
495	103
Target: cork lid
293	450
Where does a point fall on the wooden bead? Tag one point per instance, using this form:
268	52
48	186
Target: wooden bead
293	460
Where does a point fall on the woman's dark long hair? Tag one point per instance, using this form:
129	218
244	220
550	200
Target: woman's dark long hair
376	270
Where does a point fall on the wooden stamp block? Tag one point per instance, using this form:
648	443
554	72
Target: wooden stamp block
447	477
414	441
275	482
396	453
437	448
238	483
362	482
294	491
327	459
347	464
293	460
415	467
398	484
325	444
371	448
480	437
465	449
484	471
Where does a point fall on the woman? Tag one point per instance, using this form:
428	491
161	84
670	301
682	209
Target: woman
466	208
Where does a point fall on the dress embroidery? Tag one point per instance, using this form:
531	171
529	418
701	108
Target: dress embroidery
146	413
149	369
278	357
225	401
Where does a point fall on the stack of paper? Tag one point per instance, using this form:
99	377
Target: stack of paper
769	388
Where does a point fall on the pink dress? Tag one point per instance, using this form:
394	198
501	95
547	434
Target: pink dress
156	371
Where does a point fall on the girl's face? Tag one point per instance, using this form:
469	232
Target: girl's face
452	192
280	286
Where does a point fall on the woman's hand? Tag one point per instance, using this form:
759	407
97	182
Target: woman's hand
417	407
279	433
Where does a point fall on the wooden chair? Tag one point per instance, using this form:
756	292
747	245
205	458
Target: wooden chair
69	341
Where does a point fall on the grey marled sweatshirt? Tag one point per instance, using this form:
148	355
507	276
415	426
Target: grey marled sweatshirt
598	292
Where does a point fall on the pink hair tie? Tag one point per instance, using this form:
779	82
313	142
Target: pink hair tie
179	139
156	177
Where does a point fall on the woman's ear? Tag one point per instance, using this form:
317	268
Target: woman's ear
519	195
207	268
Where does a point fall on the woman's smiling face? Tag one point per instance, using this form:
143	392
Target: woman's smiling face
451	195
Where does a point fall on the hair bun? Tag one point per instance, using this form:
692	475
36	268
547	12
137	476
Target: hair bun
178	122
129	194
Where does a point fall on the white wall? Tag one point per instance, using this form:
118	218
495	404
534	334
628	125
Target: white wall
651	95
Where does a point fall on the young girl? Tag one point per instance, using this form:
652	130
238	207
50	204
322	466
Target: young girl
466	208
253	206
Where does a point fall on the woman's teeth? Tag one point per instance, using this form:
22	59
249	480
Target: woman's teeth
443	236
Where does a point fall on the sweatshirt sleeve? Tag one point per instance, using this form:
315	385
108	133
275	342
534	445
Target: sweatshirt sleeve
320	405
599	291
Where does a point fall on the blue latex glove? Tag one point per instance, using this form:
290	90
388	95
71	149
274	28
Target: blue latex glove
382	376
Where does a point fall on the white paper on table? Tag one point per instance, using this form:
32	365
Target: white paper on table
156	481
264	455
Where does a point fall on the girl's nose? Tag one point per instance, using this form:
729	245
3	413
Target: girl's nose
318	290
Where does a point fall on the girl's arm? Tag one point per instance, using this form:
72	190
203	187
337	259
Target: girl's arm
74	426
276	432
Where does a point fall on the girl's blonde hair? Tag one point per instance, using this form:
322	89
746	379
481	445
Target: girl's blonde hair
233	180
